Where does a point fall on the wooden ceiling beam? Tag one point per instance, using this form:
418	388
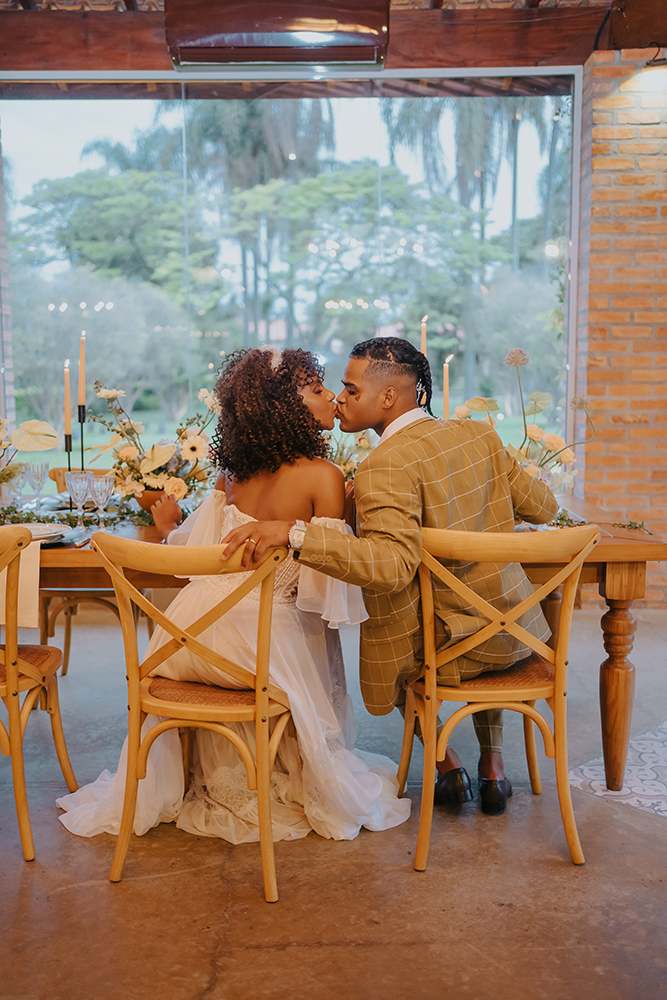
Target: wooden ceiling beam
544	36
135	40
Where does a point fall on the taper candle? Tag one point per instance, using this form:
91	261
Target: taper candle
445	387
82	369
68	402
423	346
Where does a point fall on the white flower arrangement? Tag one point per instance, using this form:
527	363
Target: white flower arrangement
348	450
178	468
209	400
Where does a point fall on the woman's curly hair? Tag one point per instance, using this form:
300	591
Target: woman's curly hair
263	420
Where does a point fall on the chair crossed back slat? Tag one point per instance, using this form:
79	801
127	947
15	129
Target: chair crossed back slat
195	561
573	544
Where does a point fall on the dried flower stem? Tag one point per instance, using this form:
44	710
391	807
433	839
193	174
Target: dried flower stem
523	410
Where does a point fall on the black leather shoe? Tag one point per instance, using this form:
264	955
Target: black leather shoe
453	788
494	795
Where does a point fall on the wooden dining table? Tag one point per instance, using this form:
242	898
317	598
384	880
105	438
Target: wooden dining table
617	565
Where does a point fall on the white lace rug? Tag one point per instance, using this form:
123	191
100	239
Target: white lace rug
645	784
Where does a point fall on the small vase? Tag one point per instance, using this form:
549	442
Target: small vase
148	498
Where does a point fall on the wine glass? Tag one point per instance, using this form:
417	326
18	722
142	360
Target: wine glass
17	486
37	473
101	488
78	487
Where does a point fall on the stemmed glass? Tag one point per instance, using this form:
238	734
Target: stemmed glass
17	486
101	488
37	473
78	487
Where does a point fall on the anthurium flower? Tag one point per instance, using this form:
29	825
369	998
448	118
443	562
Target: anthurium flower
35	435
158	455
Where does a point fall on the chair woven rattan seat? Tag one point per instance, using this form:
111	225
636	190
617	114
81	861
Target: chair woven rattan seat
35	655
534	669
198	694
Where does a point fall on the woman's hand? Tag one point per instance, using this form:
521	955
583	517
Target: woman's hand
257	538
166	515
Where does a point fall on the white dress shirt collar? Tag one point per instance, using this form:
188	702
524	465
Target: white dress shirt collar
404	420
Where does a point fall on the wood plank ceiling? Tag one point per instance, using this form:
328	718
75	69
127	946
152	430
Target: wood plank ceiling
75	35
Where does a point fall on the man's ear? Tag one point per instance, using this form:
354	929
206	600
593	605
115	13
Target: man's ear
389	397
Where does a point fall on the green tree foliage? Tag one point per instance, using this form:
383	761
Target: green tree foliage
139	343
512	314
126	225
324	243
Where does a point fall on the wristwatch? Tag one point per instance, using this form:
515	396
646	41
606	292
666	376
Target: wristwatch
297	534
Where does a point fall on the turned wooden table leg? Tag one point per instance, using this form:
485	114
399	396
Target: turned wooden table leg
622	583
617	688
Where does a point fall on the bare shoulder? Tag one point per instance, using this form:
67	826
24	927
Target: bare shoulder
327	469
327	487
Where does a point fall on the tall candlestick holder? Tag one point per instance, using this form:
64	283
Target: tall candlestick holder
82	420
68	450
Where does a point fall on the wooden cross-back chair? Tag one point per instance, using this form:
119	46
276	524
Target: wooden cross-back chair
29	671
67	599
542	675
185	705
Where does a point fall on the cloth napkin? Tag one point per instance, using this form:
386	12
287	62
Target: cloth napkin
28	616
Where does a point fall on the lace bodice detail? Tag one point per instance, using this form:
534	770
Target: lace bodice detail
286	584
295	585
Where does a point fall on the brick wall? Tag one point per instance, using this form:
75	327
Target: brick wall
622	309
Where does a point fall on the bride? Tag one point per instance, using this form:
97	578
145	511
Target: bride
273	407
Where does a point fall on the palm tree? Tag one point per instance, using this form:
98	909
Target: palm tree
230	145
511	112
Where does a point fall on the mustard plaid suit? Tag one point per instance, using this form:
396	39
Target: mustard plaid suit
435	474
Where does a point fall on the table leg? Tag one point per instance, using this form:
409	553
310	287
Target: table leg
621	584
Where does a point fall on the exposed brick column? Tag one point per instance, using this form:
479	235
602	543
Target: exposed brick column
622	345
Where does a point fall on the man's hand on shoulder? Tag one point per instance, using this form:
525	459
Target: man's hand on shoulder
258	536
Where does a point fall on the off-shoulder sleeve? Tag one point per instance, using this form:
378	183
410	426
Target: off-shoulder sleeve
204	525
336	602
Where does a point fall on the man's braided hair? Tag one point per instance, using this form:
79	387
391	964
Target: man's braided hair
394	351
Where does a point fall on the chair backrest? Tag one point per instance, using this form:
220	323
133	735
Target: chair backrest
13	541
119	554
565	548
58	476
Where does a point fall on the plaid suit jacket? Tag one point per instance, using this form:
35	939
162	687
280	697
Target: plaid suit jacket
435	474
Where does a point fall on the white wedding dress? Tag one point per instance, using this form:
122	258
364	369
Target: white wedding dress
319	781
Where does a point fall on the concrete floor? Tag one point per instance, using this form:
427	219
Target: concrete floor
500	913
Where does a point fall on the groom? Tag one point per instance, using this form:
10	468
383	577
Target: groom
423	473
